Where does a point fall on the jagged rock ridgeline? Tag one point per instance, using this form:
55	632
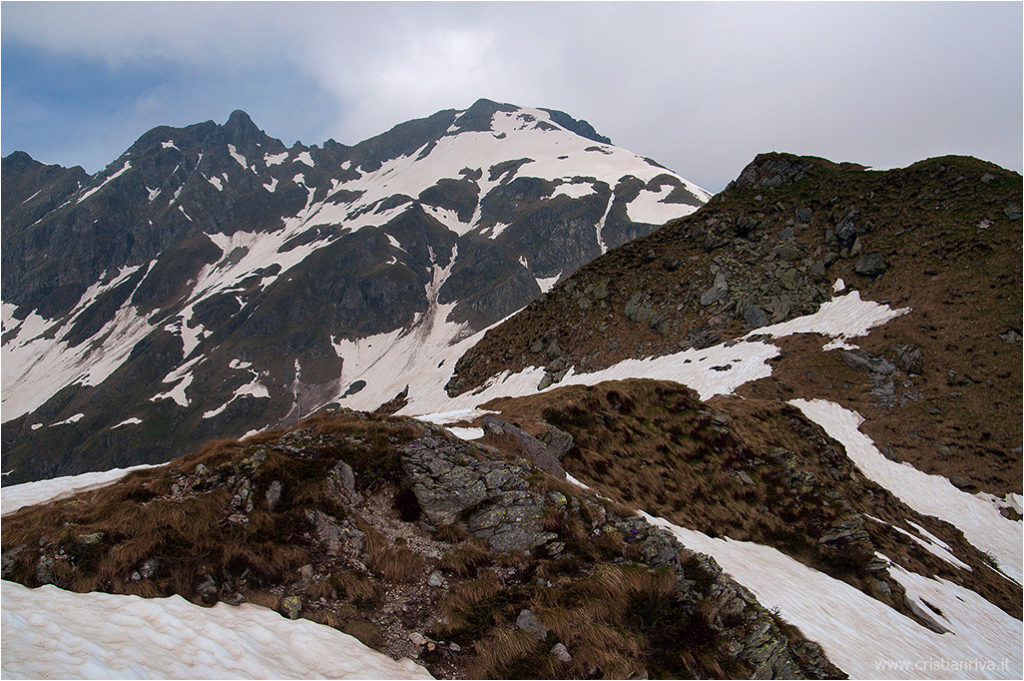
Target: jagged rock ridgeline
213	281
418	544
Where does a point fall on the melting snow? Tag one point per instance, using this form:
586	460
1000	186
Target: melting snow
547	283
980	521
576	190
51	633
182	378
215	181
649	207
127	165
272	186
275	159
153	193
304	157
127	422
169	144
238	157
71	419
27	494
466	433
863	636
35	367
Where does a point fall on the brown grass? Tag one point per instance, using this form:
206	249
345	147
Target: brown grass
392	564
466	559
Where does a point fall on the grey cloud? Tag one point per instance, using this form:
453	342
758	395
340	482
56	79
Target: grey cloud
700	87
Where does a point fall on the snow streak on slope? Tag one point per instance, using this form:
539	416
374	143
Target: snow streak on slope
861	635
846	316
37	363
979	520
51	633
14	497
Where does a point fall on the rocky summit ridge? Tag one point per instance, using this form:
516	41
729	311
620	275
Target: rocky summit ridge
212	281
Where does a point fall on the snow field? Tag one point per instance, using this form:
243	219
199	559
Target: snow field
933	495
51	633
863	636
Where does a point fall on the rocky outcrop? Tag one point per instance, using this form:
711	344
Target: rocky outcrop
387	529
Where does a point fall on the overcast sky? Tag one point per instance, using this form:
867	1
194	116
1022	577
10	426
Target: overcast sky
700	87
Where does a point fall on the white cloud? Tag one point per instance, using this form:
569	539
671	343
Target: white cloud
701	87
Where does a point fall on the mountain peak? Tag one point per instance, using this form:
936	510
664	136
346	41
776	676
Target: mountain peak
241	129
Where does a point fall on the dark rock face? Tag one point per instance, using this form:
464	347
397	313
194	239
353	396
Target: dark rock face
217	252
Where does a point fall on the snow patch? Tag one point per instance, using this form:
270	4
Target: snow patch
127	165
466	433
71	419
127	422
934	495
649	207
169	144
547	283
575	190
52	633
41	491
861	635
304	157
238	157
215	181
272	186
275	159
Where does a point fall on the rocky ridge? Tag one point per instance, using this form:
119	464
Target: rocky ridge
465	556
774	245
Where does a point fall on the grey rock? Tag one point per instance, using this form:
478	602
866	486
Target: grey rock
149	568
418	639
1011	336
713	295
804	214
435	579
340	485
1013	210
44	569
90	539
291	606
638	308
527	621
273	495
334	538
871	265
788	251
960	482
755	317
8	560
561	653
535	450
924	616
557	441
987	177
207	588
745	478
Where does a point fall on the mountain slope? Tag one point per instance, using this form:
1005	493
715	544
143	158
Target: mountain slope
212	281
470	558
941	238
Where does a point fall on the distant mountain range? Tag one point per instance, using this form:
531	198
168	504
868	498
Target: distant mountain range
211	281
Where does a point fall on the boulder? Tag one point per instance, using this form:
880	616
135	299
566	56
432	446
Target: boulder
871	265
